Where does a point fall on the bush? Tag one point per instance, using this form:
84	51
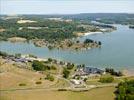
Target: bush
22	84
106	79
49	77
62	89
38	82
53	67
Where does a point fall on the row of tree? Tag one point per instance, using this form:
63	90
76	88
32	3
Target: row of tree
113	72
87	41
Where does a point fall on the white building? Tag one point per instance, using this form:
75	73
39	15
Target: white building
76	82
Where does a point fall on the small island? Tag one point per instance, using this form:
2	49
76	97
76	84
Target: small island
68	44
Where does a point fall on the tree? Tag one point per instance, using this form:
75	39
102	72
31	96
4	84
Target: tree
53	67
50	47
130	97
66	73
50	59
83	65
88	41
4	54
119	73
70	66
99	43
38	66
125	90
33	56
85	79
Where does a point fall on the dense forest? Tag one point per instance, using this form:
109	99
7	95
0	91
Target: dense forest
50	29
57	29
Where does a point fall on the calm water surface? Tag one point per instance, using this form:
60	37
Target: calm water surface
117	50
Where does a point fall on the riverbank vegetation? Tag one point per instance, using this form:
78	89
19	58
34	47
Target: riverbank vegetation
113	72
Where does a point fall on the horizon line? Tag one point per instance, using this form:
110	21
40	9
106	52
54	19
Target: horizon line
71	13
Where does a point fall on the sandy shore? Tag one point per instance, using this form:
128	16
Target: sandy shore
128	72
91	33
2	30
87	33
17	39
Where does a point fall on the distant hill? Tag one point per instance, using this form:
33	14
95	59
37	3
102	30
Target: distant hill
109	18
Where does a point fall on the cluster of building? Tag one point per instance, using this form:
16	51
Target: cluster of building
83	73
23	58
80	74
16	59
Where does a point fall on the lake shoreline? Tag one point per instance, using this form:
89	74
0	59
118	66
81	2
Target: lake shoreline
100	57
30	58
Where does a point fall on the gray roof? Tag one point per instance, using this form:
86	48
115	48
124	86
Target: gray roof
92	70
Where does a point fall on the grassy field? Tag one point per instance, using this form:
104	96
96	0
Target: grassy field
11	76
105	93
60	84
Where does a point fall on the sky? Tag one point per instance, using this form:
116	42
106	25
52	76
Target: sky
65	6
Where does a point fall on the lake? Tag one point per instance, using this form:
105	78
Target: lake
117	50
